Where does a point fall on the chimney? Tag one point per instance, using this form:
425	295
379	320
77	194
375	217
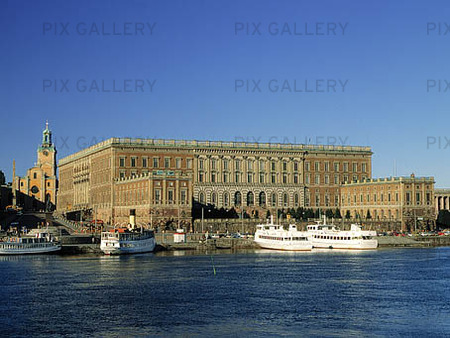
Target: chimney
133	218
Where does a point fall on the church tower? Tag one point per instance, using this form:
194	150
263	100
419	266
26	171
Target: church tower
46	157
37	190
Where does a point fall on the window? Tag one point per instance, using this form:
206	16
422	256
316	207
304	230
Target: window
284	165
155	162
183	198
261	165
261	177
170	196
307	178
122	162
238	164
34	175
133	161
285	199
249	177
327	166
189	163
336	179
364	167
250	164
307	166
225	164
250	198
295	166
167	162
408	198
327	179
296	200
284	178
273	177
213	198
226	199
237	177
213	164
355	167
178	163
418	197
201	164
295	179
200	176
316	166
225	177
317	179
237	198
144	162
201	198
213	177
345	178
262	199
157	196
336	166
345	167
274	200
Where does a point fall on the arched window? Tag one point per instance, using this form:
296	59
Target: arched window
201	198
262	199
274	200
237	198
226	199
285	199
250	198
296	200
213	198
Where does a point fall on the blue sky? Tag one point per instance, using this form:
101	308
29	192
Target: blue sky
199	57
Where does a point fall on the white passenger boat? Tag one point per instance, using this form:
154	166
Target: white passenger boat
273	236
330	237
42	243
127	241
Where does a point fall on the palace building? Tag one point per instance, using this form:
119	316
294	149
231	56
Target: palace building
162	179
402	203
37	190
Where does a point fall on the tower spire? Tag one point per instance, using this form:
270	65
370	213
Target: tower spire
46	136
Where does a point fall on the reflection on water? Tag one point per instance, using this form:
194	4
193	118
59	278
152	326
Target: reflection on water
262	292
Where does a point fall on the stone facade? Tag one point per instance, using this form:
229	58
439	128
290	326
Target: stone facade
40	184
160	179
111	178
399	203
442	199
261	177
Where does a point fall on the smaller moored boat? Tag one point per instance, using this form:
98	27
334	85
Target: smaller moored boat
127	241
273	236
42	243
326	236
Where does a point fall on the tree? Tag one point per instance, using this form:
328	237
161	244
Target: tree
2	178
443	219
337	213
329	213
347	214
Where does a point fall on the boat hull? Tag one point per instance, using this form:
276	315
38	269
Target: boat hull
34	251
345	244
284	246
128	247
